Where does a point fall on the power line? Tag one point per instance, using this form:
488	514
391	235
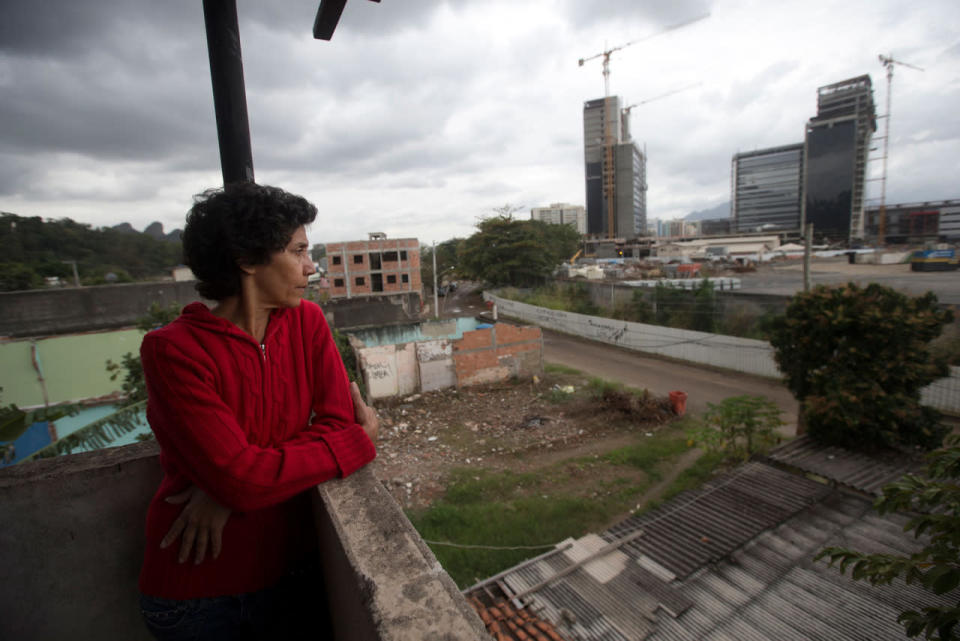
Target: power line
490	547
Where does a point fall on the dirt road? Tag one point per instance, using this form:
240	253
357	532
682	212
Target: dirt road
661	376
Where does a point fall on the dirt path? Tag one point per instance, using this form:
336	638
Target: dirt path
661	376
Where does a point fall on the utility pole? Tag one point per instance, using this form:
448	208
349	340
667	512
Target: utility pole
76	275
436	297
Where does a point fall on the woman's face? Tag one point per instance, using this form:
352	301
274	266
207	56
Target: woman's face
283	280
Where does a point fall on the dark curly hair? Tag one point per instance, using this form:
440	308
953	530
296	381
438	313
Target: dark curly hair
241	224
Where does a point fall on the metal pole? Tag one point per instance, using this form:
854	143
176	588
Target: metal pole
882	219
76	274
229	95
436	298
808	237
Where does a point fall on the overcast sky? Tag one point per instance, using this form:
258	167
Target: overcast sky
420	116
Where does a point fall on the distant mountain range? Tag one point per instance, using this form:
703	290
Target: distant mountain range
154	230
720	211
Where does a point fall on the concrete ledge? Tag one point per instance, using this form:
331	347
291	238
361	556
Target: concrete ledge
382	579
71	544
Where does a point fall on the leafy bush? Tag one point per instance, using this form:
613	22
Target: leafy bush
349	358
856	359
738	426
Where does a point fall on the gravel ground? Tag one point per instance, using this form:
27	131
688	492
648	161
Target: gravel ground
518	426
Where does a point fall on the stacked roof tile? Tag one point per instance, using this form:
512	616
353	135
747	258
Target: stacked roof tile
506	623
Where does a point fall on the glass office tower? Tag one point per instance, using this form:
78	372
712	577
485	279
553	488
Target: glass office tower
766	188
831	161
836	146
614	172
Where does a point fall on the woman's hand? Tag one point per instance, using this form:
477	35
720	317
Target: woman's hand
364	414
201	523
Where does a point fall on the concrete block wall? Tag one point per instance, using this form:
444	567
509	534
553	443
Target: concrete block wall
498	353
390	370
729	352
435	359
482	356
373	311
45	312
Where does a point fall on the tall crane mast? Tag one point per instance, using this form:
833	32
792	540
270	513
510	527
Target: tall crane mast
608	168
607	53
887	62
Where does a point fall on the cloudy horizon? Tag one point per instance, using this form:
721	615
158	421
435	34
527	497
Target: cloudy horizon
421	116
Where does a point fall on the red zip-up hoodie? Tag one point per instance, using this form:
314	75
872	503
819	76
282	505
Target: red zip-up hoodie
253	426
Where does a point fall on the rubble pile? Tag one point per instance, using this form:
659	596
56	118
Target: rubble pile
504	427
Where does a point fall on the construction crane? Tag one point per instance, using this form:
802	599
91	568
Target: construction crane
887	62
606	54
626	110
608	174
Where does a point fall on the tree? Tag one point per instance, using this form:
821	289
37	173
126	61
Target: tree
446	262
17	276
33	248
521	253
15	421
856	360
507	210
934	498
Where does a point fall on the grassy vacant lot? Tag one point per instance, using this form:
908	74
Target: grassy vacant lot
570	495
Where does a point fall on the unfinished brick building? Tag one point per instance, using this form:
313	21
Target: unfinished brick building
374	267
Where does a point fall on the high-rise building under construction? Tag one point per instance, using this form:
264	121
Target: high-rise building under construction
615	171
836	145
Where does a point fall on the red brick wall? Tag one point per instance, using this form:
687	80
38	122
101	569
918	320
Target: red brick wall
497	353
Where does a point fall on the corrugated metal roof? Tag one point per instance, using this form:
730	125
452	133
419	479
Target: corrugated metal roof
866	473
709	523
772	589
730	561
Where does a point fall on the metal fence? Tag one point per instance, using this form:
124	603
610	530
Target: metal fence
738	354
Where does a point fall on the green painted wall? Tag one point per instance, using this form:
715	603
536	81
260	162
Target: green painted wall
74	366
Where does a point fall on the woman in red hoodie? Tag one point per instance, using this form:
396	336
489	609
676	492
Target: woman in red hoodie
251	405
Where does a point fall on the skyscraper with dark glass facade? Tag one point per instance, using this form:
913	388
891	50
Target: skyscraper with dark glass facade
836	146
614	171
766	189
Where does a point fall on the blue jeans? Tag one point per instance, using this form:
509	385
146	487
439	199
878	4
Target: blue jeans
293	609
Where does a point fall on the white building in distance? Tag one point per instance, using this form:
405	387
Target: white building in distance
562	214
